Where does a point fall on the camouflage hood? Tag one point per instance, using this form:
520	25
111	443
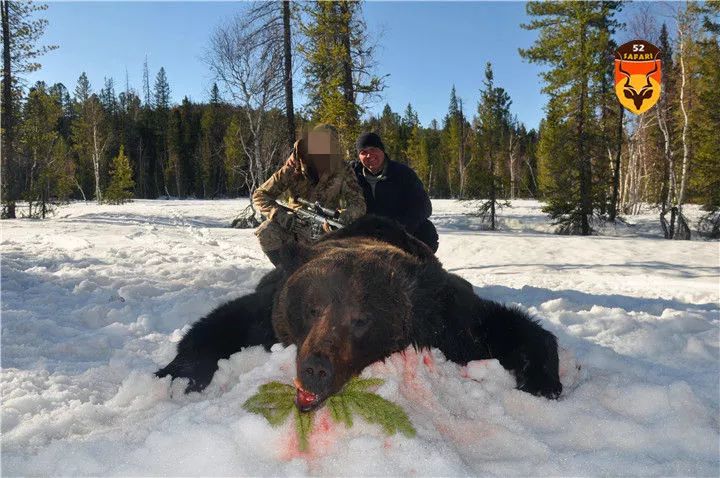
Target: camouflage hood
308	160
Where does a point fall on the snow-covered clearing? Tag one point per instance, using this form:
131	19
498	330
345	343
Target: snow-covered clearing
94	299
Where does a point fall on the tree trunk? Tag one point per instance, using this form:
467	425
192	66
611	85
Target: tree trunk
178	180
511	154
9	193
683	76
532	177
461	152
289	108
492	193
431	189
616	170
82	193
585	166
96	163
348	87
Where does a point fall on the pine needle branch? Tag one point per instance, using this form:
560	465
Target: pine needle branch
275	401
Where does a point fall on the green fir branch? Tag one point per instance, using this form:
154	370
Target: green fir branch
276	400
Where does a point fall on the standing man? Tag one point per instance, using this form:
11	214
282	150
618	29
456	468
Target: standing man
315	171
393	190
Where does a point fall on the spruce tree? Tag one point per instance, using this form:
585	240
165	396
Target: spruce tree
211	149
706	122
41	114
339	64
235	161
493	126
161	124
389	130
21	30
418	154
121	183
452	143
573	41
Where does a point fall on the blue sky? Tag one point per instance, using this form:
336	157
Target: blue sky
425	47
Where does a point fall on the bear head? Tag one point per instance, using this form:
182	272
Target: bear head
345	305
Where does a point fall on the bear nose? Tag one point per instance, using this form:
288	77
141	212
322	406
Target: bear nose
316	373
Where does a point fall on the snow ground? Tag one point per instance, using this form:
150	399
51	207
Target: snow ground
94	299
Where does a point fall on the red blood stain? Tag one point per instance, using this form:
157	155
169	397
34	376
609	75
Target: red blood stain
429	361
320	441
324	424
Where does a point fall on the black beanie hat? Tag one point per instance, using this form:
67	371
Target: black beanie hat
367	140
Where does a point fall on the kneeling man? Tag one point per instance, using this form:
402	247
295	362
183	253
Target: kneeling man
393	189
316	172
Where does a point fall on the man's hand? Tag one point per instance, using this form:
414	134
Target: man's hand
326	227
292	162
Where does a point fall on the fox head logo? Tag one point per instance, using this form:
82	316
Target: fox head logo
638	75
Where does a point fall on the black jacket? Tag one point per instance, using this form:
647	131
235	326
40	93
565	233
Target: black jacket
401	196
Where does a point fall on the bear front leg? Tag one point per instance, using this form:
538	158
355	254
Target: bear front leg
522	346
240	323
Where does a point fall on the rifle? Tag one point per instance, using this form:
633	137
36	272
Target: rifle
313	214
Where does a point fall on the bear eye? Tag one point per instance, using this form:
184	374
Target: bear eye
315	311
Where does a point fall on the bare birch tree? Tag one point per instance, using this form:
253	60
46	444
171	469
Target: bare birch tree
246	56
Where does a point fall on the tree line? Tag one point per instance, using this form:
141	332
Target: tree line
589	161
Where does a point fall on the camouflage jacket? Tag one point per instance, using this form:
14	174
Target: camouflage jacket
337	189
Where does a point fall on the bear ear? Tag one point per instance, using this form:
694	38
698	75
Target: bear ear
293	255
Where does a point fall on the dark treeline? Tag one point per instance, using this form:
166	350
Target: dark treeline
588	160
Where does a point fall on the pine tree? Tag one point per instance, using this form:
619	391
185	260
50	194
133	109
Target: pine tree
493	127
706	121
437	175
339	66
389	131
558	184
90	136
108	99
175	165
121	183
528	162
573	40
47	164
21	30
235	160
211	150
452	143
146	85
161	124
418	154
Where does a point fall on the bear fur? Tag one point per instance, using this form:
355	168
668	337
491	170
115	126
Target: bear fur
357	296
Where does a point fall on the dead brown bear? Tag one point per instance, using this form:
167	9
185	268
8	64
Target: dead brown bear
357	296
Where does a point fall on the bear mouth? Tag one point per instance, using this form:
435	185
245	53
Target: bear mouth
306	400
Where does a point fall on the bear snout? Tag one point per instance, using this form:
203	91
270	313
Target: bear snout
316	373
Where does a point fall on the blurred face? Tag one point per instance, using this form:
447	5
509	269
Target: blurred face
319	142
372	159
320	151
